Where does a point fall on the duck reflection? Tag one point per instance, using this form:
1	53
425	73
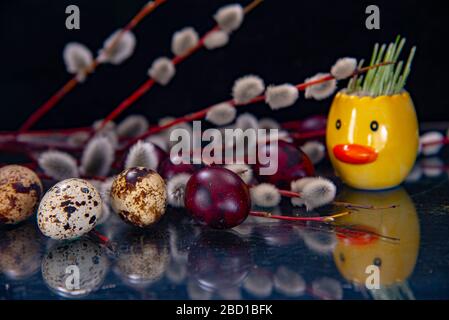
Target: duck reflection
219	261
65	261
142	257
387	238
21	250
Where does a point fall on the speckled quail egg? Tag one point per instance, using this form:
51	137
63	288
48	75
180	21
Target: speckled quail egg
20	191
75	269
139	196
69	209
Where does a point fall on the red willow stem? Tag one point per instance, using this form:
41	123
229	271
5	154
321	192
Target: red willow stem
51	132
202	113
147	85
289	194
12	137
73	82
329	77
434	166
125	104
156	129
268	215
103	238
49	104
144	88
37	146
9	141
444	141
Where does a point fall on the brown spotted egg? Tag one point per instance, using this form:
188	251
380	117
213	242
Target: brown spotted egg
139	196
69	209
20	191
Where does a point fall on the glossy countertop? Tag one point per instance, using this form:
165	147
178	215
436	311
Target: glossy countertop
260	259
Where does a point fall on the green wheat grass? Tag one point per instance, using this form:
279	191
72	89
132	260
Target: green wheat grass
385	80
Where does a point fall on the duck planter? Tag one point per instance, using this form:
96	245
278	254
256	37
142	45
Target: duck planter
372	141
372	131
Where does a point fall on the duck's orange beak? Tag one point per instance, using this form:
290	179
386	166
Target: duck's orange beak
355	153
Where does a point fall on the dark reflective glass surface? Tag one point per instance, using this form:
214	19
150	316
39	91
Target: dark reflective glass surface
260	259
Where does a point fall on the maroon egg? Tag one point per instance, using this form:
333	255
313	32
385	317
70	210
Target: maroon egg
312	123
167	169
217	197
293	164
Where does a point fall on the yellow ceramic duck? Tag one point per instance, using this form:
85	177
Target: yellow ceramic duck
396	259
372	142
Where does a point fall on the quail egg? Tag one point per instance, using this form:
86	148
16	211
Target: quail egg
20	191
139	196
69	209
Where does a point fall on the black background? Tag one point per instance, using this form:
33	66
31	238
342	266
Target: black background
282	41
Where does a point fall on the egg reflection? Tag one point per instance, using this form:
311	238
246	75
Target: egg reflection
75	269
20	251
259	283
387	238
143	257
219	260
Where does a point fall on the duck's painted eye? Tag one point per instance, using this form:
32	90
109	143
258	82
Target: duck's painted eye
338	124
377	262
374	126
